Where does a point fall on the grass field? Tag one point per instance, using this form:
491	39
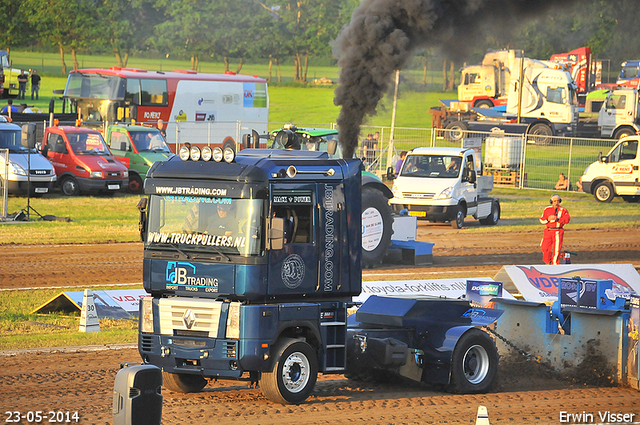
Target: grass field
104	219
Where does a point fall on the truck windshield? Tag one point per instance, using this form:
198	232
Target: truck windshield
11	139
149	141
629	71
87	144
433	166
202	224
94	86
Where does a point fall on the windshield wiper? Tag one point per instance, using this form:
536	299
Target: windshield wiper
180	251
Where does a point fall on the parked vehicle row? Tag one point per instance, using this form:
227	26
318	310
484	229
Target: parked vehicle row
78	159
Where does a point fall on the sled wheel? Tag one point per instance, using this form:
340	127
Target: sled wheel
376	226
182	382
294	373
475	363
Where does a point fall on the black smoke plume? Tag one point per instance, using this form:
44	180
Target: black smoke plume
383	35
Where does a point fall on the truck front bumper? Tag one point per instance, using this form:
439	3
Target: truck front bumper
209	357
36	187
428	212
98	185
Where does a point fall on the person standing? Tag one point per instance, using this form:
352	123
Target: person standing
160	126
398	166
23	79
35	84
554	217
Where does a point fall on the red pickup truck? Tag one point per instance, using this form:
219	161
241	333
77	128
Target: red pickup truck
82	161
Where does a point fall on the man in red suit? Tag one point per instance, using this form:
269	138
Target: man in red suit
554	217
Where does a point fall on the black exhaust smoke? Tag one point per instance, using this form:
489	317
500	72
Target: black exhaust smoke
383	35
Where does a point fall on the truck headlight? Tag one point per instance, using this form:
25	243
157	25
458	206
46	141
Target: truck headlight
446	194
95	174
16	169
233	321
146	315
125	174
394	190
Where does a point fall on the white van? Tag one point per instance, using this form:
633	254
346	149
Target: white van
444	184
26	167
615	174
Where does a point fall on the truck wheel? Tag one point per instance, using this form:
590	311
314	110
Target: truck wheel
474	364
376	226
604	192
494	216
623	132
294	373
135	183
69	186
540	134
458	221
458	129
183	382
484	104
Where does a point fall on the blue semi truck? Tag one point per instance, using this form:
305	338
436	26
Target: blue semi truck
251	261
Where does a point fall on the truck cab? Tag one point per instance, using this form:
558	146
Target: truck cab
377	219
250	261
137	147
619	114
27	170
82	161
615	174
444	184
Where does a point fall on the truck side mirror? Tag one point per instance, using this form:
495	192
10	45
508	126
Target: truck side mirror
471	176
599	156
256	139
332	146
276	233
142	225
29	135
391	173
246	141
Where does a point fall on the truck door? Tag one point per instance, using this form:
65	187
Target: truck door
57	153
294	269
618	109
469	189
622	167
120	146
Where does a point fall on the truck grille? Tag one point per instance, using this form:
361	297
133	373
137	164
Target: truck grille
146	343
231	349
418	195
195	316
40	172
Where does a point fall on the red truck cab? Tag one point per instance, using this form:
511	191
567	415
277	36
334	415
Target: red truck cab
82	161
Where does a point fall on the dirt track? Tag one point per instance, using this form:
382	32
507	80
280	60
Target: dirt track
83	381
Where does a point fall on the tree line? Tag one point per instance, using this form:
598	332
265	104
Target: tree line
295	31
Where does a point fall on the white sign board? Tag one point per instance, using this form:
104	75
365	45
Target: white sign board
445	288
539	283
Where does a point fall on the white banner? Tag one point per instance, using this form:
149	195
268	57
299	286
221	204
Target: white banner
446	288
539	283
